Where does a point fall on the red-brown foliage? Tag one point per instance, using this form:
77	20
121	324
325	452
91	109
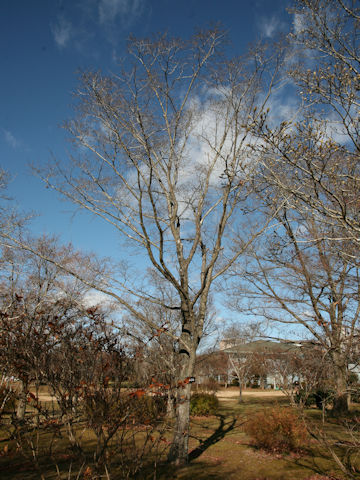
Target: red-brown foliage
276	430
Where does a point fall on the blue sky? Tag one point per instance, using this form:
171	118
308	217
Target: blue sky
45	42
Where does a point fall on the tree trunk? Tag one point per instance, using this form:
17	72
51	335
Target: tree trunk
292	396
240	391
178	452
341	406
179	448
341	401
21	406
170	405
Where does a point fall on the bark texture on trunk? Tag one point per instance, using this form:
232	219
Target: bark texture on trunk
21	406
240	391
180	443
170	405
188	343
341	405
341	399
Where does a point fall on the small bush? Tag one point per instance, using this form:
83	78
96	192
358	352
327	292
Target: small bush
355	393
305	398
101	410
204	404
149	408
276	430
324	398
319	398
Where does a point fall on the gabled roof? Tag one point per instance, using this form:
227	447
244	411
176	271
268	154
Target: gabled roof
262	346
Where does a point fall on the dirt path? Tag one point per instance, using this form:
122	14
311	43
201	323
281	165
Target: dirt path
232	393
226	393
46	398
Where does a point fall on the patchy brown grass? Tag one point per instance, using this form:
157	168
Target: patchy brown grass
219	449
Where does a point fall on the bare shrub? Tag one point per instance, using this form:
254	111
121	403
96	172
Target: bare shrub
276	430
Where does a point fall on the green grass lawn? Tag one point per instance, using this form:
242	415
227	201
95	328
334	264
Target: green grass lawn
219	449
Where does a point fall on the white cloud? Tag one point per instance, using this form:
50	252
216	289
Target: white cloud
62	32
86	18
335	129
269	26
128	10
11	139
284	105
299	23
214	143
93	298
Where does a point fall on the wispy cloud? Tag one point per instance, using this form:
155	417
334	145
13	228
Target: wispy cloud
62	31
11	139
269	27
85	20
124	10
299	23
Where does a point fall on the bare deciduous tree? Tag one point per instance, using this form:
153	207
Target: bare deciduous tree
298	277
163	153
308	270
315	160
52	340
243	364
34	295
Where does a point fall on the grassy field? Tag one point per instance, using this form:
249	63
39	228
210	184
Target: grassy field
220	449
227	452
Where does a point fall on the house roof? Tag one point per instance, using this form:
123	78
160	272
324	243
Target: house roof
262	346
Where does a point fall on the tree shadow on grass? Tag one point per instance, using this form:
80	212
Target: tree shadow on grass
321	465
220	432
199	470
